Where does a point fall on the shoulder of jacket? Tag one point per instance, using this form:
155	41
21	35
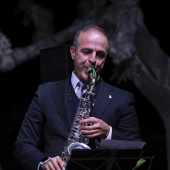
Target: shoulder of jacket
54	83
116	89
51	85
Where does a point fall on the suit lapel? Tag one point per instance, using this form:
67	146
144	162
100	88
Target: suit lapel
103	99
60	95
60	91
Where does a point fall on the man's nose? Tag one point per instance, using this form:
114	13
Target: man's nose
92	58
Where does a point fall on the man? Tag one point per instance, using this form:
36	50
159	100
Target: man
51	112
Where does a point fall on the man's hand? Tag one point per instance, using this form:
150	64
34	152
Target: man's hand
54	163
98	128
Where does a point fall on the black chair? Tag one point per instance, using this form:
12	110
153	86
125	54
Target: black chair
55	63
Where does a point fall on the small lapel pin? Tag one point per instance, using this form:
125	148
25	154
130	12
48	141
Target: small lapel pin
110	96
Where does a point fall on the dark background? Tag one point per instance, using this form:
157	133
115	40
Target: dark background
17	87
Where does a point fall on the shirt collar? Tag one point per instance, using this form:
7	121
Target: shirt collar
75	80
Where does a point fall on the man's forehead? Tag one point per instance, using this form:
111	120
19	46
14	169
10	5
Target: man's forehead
92	49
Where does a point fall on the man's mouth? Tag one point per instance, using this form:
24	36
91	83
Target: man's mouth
87	67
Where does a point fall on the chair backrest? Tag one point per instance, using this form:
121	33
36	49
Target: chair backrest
55	63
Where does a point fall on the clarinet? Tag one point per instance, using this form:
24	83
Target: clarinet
76	140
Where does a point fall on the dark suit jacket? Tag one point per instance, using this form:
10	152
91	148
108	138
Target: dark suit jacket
47	120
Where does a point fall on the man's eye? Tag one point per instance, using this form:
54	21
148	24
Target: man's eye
86	52
101	54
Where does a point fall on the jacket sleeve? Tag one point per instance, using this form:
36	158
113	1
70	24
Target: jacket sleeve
26	150
127	126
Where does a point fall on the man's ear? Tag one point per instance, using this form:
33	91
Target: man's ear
72	52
